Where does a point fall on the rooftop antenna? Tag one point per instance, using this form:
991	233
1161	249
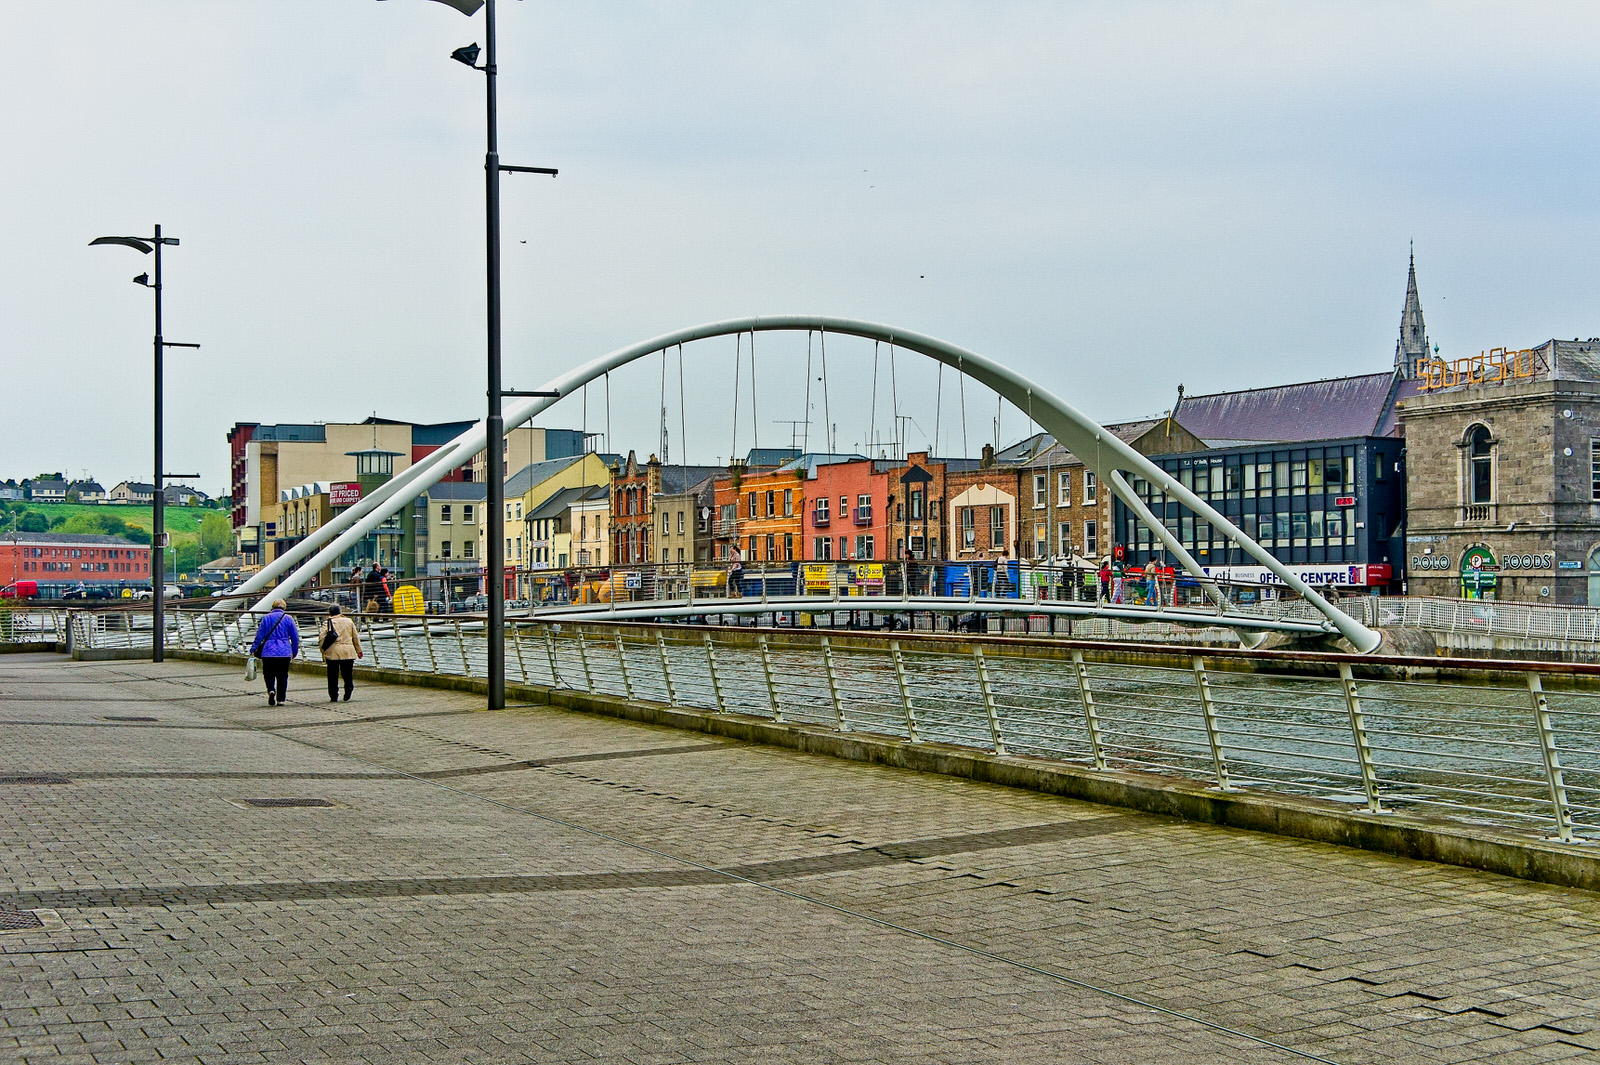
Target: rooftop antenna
794	425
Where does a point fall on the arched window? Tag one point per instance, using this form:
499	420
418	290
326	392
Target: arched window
1481	466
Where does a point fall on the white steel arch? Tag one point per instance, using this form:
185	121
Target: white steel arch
1101	451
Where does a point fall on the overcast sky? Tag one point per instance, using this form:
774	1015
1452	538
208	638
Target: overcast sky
1111	198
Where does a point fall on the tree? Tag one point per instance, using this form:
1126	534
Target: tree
216	536
33	521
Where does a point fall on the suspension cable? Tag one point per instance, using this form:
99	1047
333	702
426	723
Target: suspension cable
872	411
805	446
827	414
738	339
755	424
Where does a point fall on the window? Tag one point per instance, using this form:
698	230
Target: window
771	544
822	510
664	556
444	514
788	502
772	510
518	516
519	547
864	508
969	532
444	549
844	547
1091	539
1064	539
844	508
788	547
823	548
1482	471
1064	489
466	515
752	504
997	528
1297	477
680	556
469	548
1594	470
666	525
1040	487
1041	540
680	523
865	547
916	504
1089	487
752	545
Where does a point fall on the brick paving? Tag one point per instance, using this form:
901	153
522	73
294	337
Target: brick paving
537	885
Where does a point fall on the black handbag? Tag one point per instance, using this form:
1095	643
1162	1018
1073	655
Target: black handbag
330	637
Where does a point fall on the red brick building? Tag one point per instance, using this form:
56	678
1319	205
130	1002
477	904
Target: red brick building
73	558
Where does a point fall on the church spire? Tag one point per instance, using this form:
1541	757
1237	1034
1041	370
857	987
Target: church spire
1413	342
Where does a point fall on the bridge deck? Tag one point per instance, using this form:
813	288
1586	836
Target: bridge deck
544	886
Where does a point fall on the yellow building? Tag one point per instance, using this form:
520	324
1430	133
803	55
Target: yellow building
531	487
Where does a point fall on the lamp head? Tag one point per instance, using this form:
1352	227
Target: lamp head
467	55
142	279
128	242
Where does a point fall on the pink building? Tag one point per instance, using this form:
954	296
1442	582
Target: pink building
847	511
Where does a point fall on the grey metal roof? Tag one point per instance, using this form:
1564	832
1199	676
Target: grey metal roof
528	476
466	491
675	479
1330	409
96	539
770	456
558	503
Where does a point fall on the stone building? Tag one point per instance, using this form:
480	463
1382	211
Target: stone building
1066	513
1503	475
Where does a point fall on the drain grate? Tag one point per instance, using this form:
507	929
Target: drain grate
274	803
34	780
18	920
114	717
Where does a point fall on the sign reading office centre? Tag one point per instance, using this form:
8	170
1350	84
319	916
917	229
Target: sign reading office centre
344	494
1316	576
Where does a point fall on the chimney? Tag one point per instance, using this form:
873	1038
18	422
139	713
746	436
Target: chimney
988	456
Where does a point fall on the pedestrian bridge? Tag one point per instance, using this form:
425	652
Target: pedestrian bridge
947	612
1116	464
1512	745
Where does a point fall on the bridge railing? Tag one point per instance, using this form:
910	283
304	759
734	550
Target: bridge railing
32	625
1513	747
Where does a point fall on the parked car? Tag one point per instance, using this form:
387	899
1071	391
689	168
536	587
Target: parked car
20	590
100	591
169	591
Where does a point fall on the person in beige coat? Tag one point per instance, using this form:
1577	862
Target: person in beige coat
341	646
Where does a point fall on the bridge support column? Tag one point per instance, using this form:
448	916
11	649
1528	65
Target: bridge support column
766	672
905	690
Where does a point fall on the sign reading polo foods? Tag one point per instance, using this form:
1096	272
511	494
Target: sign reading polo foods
1441	560
344	494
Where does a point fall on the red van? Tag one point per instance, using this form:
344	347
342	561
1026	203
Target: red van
20	590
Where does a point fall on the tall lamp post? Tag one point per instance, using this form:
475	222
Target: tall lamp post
158	532
494	559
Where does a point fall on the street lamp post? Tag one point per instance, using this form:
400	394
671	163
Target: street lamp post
158	532
494	559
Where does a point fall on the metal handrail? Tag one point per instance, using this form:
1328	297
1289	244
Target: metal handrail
1485	753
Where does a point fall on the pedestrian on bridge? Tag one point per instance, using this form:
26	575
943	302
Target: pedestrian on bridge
277	642
341	646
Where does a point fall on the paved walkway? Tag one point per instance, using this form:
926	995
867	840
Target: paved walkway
544	886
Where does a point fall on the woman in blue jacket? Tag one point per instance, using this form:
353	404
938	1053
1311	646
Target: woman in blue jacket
277	642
